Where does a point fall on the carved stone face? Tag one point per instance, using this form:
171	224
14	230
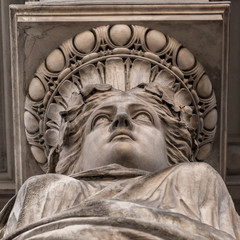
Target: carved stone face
127	131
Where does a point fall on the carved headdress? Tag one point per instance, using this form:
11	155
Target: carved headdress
124	57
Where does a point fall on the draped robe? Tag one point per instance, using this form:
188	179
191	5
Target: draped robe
185	201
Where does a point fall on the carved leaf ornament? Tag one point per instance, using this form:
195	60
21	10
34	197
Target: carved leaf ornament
124	57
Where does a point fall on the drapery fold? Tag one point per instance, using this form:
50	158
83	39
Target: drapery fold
186	201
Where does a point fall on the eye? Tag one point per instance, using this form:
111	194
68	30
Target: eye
100	120
143	117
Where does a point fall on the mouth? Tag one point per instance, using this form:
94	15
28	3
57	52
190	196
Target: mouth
119	135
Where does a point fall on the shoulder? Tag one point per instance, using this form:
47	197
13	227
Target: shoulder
39	182
197	172
199	167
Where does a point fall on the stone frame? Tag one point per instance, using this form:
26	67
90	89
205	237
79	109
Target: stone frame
25	20
7	168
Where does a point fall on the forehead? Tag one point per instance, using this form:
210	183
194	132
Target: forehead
123	99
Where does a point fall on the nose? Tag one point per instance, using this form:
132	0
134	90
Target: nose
121	120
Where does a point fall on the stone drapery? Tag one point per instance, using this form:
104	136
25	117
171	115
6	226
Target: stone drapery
186	201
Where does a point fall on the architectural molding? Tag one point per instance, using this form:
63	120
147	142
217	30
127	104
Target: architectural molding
35	25
7	176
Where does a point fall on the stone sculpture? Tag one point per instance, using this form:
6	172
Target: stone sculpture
118	117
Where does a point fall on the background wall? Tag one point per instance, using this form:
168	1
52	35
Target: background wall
233	164
7	171
7	185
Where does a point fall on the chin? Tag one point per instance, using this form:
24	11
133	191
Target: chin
124	153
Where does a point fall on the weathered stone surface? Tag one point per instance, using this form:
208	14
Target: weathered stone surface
120	34
37	44
38	154
31	123
145	129
115	74
89	75
53	112
51	137
131	63
134	198
36	89
67	89
85	41
183	98
165	78
55	61
178	72
204	151
204	87
210	120
155	41
140	73
162	25
185	59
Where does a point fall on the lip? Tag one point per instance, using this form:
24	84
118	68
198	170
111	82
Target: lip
121	135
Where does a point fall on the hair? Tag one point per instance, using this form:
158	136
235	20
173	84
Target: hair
179	140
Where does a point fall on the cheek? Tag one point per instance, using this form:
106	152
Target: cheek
150	133
96	138
152	138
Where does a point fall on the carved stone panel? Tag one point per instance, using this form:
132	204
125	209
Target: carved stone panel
7	170
123	56
38	31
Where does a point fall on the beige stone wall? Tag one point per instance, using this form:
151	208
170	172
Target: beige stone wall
233	159
7	179
7	170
